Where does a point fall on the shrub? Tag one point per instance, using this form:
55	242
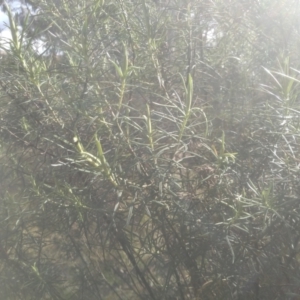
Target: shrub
150	151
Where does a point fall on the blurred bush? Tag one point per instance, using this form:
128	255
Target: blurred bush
150	151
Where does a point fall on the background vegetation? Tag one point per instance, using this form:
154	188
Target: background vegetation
151	150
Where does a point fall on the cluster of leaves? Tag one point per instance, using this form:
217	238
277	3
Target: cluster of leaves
151	151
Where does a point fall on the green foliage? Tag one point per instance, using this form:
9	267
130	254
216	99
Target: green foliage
151	151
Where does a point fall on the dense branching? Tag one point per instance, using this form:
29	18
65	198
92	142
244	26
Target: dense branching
150	150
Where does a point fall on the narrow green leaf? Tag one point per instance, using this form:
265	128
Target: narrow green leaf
130	213
118	69
13	28
190	90
125	61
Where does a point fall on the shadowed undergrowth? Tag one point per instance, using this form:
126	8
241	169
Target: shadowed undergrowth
151	152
